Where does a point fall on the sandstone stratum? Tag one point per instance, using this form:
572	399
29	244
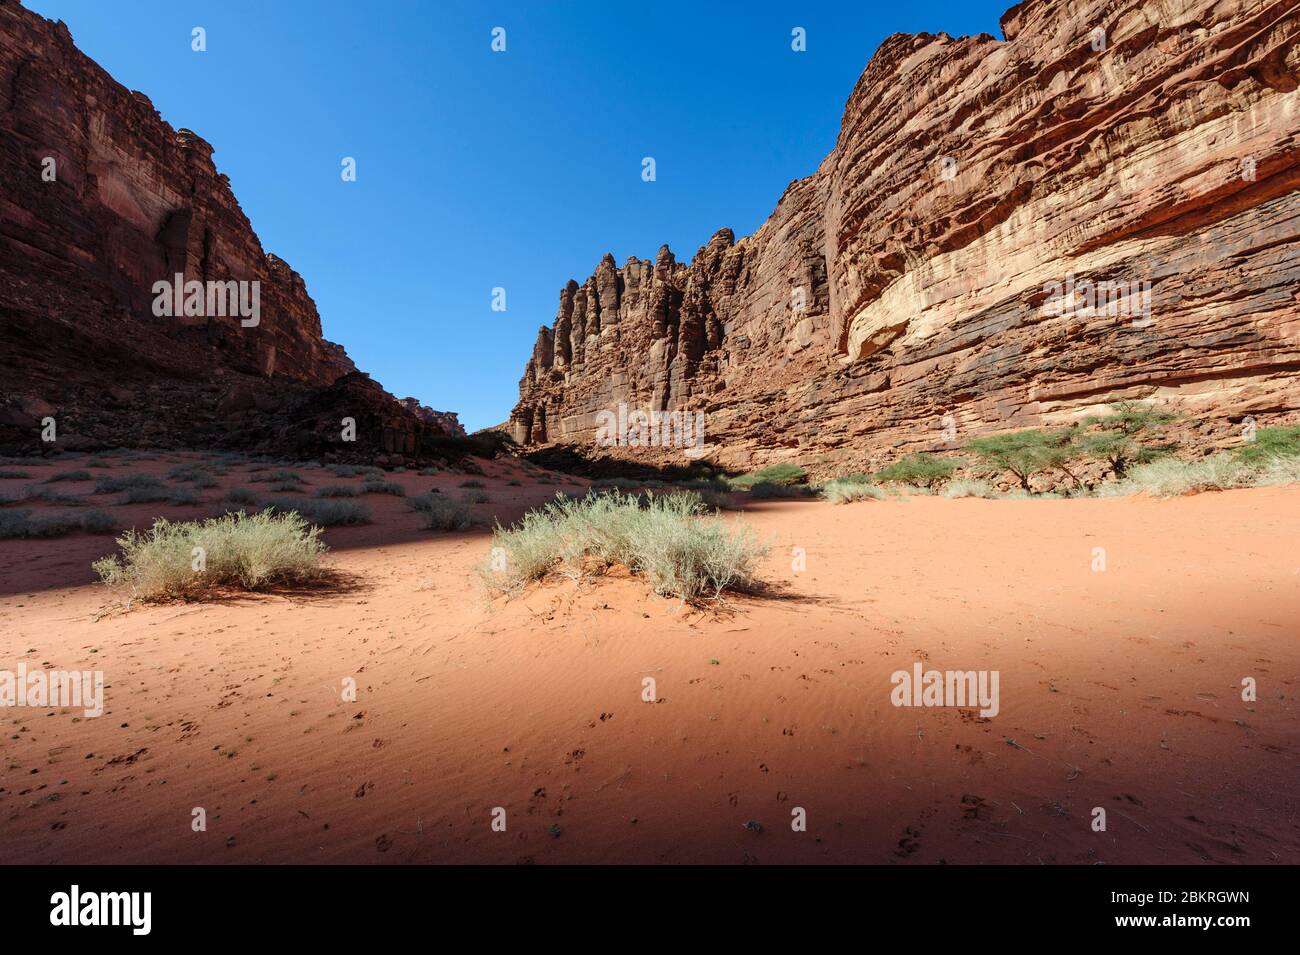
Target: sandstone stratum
1008	233
100	199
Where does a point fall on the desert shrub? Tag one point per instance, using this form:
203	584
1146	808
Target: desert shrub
7	474
237	551
383	487
24	523
1270	444
844	491
323	513
240	495
199	475
95	521
279	476
1283	470
773	474
514	483
441	513
472	483
353	470
668	540
51	495
157	495
1168	477
1024	453
186	472
114	483
429	472
716	500
339	490
966	487
284	486
767	489
1123	438
1131	418
477	497
921	470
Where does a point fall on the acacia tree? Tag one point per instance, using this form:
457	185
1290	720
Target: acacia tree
1025	453
926	470
1122	439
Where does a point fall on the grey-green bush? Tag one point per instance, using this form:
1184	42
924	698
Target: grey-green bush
668	540
111	484
370	486
338	490
441	513
237	551
24	523
324	513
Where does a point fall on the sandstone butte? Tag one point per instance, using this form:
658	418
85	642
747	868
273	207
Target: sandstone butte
133	201
906	284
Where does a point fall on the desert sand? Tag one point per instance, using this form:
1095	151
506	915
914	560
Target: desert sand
1119	688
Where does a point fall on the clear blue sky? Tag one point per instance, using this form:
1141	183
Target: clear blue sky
478	169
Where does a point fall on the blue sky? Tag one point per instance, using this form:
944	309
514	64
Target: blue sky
478	169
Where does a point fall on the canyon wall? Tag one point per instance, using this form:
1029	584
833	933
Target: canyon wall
99	200
935	278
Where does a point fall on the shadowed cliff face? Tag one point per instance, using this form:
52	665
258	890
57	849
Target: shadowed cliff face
1007	234
100	199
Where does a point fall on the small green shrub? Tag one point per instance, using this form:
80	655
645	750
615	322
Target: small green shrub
323	513
668	540
1168	477
9	475
477	497
969	488
1271	443
441	513
766	489
114	483
96	521
155	495
188	472
338	490
51	495
845	491
383	487
237	551
773	474
240	495
278	477
352	470
472	483
1024	453
24	523
921	470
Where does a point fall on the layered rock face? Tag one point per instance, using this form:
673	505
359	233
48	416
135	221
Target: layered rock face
1007	234
444	422
100	200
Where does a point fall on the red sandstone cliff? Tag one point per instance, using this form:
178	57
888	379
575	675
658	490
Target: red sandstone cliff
910	278
100	199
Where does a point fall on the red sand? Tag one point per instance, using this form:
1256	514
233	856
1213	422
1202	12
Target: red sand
1120	689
